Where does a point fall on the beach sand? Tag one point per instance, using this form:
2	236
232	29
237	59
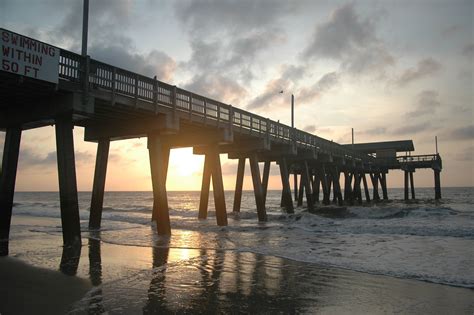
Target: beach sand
41	277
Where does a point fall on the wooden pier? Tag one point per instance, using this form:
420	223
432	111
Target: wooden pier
113	104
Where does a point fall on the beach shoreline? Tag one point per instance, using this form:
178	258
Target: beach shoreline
130	279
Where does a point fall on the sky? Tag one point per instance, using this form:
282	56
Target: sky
392	70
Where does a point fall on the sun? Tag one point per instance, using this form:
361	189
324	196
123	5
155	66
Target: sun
184	170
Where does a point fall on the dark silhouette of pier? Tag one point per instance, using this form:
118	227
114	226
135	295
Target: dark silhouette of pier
113	104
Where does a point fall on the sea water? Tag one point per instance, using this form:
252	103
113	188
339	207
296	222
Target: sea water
422	239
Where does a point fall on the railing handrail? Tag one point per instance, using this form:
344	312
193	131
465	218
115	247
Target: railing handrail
121	81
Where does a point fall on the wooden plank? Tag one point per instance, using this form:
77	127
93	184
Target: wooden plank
7	184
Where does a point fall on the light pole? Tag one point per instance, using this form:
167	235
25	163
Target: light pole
292	111
85	27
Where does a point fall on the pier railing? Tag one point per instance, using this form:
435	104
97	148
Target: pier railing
95	74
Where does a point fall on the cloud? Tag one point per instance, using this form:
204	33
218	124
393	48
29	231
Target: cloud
351	40
374	131
315	91
149	64
411	129
30	159
427	104
463	133
468	50
424	68
218	87
466	155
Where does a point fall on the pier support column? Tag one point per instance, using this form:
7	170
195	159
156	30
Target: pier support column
375	185
437	181
337	186
218	186
67	181
406	186
239	184
366	188
325	185
295	185
383	184
316	187
159	154
412	186
205	187
300	192
7	184
357	191
305	178
257	188
287	199
97	200
265	178
348	197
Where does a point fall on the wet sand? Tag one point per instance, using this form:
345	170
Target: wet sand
42	277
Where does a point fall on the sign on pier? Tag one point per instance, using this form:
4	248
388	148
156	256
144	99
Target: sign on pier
28	57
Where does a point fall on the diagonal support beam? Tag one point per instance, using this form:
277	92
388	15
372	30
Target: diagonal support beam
287	199
97	201
239	184
257	188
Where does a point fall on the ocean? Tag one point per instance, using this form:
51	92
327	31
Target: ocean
424	240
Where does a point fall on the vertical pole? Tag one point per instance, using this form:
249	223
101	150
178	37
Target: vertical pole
295	185
218	187
11	152
436	144
257	188
301	191
159	153
287	201
366	188
266	176
329	181
305	178
383	184
357	190
375	185
205	186
406	185
337	186
324	184
166	158
316	184
412	186
437	184
239	184
67	181
97	201
85	26
292	111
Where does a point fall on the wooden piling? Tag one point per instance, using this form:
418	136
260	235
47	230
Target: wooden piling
295	185
356	190
305	178
287	199
412	186
7	183
383	185
325	185
205	187
265	178
239	184
337	186
366	188
67	181
98	187
300	192
348	196
437	181
375	186
218	187
406	185
316	187
159	153
257	188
